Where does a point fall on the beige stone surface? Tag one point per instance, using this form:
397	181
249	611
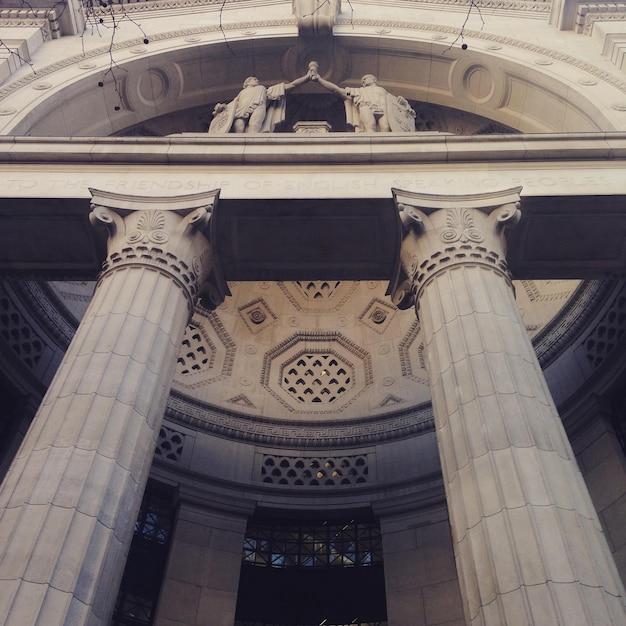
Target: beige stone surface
535	67
72	494
202	576
520	514
420	575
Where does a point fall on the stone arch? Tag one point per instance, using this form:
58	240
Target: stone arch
528	89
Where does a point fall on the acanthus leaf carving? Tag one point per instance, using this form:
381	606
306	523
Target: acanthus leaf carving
150	229
461	227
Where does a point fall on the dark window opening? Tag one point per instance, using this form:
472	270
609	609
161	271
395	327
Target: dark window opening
619	421
141	583
297	573
9	423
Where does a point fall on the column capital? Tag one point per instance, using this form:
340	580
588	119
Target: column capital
167	234
442	231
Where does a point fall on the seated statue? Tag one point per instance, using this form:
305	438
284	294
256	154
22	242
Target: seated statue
256	109
371	108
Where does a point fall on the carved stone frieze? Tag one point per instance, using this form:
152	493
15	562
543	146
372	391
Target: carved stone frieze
590	12
412	421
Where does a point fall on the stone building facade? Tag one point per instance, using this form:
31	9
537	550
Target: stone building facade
323	374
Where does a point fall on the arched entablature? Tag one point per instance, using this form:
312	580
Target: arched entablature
523	87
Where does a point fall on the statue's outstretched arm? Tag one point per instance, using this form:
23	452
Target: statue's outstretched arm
330	86
297	82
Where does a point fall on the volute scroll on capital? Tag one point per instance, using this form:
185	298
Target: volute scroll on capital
170	235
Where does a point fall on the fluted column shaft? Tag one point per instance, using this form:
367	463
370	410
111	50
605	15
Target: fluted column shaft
71	497
528	543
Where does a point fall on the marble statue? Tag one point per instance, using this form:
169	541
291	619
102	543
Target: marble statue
371	108
256	109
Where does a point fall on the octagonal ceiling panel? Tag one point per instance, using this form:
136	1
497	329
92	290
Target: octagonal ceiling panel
313	350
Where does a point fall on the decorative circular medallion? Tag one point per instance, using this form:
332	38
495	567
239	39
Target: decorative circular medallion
478	82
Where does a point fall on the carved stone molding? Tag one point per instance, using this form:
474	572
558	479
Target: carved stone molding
591	12
414	421
45	20
539	8
84	57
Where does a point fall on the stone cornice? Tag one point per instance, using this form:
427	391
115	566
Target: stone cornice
345	148
45	19
312	434
591	12
532	7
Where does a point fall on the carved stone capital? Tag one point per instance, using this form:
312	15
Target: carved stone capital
316	17
441	232
169	235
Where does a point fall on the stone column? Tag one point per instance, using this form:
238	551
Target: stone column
72	494
528	544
